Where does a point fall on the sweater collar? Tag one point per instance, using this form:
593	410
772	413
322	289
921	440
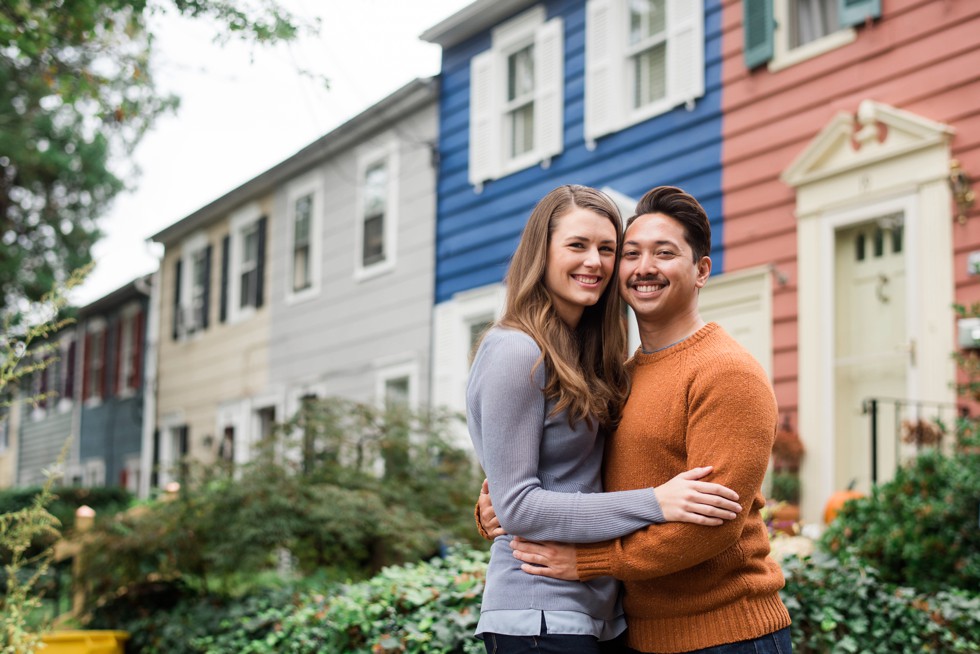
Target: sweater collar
642	358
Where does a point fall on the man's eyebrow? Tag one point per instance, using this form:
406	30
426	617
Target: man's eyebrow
655	243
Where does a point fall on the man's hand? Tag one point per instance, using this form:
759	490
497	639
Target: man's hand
488	517
685	499
548	559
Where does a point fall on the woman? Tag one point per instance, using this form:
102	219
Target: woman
546	383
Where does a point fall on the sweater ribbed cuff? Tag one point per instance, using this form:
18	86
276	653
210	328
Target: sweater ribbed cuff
479	525
593	560
658	511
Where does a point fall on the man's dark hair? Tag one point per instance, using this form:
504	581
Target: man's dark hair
682	207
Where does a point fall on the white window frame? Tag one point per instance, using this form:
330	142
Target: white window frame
241	221
93	473
783	56
127	348
188	323
134	472
4	432
96	328
388	155
409	371
169	454
309	185
489	108
608	62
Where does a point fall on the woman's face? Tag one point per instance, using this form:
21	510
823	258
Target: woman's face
581	260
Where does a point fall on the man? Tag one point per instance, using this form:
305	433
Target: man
698	398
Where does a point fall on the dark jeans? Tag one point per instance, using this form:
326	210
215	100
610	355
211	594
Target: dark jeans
777	642
544	644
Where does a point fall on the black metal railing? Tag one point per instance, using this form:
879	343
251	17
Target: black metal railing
925	424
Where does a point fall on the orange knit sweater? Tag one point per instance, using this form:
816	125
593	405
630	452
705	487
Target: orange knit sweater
704	401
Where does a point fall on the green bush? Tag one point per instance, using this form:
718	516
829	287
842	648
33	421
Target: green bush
66	500
843	606
919	529
313	501
429	608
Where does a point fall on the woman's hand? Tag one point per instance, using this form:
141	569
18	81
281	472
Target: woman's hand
488	517
685	499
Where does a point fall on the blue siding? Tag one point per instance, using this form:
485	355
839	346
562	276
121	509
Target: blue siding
112	432
477	233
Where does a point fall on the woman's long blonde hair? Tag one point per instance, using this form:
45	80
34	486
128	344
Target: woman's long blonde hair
583	367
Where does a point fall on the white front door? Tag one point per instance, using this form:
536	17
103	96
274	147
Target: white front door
872	349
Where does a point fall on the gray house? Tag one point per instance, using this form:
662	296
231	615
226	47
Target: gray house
352	276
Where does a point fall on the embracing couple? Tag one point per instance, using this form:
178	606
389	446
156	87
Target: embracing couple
556	419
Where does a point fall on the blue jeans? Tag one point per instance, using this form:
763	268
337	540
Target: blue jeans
778	642
544	644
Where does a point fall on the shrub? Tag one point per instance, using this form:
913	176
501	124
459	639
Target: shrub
919	529
843	606
429	608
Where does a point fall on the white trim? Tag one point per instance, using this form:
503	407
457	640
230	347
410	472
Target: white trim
168	458
309	184
608	76
367	158
408	370
190	247
783	56
488	129
241	220
93	473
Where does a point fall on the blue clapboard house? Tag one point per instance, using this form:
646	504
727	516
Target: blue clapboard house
622	95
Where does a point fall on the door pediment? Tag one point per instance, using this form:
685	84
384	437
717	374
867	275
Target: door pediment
874	133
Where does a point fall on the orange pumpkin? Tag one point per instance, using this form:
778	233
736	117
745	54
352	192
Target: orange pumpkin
836	501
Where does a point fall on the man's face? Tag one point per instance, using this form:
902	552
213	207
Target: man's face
658	276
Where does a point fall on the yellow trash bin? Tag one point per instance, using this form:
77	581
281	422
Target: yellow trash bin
84	642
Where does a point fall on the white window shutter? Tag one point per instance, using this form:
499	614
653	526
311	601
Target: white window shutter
685	50
604	96
484	119
549	97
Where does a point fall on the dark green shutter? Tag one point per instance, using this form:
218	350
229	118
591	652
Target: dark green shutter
260	267
856	12
176	331
206	295
225	262
758	25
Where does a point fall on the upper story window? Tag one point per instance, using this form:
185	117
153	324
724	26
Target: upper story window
93	372
245	281
377	211
786	32
129	350
192	287
516	97
642	58
304	209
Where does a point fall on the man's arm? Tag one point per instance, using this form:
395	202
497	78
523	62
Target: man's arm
731	423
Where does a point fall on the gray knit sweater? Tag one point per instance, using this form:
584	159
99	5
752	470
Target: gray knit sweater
545	483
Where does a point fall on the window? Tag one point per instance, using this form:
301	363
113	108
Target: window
93	379
396	386
303	209
129	350
192	284
786	32
516	97
642	58
377	211
249	267
247	263
4	433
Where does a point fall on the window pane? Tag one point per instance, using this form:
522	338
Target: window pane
520	74
301	221
811	20
374	245
522	130
396	392
650	75
375	189
249	288
250	253
647	18
301	268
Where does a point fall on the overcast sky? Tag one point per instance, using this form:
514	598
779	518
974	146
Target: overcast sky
238	118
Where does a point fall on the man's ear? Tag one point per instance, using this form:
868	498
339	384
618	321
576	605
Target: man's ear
704	271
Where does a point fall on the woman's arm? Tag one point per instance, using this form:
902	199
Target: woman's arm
506	414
